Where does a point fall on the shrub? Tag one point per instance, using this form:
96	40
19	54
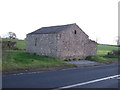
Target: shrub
74	59
66	60
117	52
88	58
113	54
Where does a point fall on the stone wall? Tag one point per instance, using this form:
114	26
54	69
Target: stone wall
90	48
74	43
42	44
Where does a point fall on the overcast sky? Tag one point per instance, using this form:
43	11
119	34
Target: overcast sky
97	18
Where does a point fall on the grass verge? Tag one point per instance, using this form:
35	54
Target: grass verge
22	60
100	59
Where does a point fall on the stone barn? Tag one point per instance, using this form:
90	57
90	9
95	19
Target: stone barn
63	41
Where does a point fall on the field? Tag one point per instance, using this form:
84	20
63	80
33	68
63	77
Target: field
104	49
20	60
21	44
102	54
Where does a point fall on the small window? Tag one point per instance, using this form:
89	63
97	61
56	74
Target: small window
75	32
35	41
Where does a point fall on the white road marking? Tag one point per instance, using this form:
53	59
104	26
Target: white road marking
118	77
88	82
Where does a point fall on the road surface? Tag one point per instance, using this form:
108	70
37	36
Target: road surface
105	76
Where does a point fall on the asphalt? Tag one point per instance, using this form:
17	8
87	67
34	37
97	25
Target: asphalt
61	78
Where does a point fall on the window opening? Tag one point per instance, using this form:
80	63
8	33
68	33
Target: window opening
75	32
35	41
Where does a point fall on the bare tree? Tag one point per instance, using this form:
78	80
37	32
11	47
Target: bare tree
11	35
118	40
97	39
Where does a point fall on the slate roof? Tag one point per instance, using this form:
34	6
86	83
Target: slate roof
51	29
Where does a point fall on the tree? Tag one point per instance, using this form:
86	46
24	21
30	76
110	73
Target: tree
11	35
118	41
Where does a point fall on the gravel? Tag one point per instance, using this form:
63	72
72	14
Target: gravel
84	63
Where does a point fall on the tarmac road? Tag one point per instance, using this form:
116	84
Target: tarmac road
89	77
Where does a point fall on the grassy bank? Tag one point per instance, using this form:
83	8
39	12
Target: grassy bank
20	60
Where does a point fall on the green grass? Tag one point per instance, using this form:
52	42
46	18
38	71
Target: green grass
99	59
21	60
104	49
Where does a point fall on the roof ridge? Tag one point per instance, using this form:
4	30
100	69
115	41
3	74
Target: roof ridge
51	29
58	25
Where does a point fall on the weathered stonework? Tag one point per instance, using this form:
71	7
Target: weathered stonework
42	44
70	42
